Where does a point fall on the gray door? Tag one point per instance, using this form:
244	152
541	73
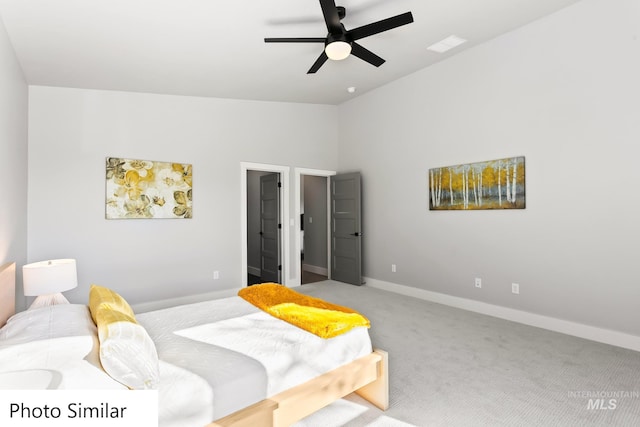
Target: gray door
270	228
346	230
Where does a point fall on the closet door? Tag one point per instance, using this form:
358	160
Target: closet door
346	228
270	228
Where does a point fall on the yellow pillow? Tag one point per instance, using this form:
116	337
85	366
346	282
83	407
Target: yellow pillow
106	316
127	352
99	296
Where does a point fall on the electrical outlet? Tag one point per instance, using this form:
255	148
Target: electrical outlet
216	275
515	288
478	282
393	268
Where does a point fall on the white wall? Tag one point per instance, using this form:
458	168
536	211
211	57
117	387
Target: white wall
72	131
13	161
565	93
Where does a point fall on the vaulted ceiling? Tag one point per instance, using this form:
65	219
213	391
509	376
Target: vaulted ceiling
216	48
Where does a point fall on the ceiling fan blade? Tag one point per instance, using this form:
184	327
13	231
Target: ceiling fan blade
380	26
294	40
331	17
319	62
366	55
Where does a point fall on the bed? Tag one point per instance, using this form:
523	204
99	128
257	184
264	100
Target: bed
228	374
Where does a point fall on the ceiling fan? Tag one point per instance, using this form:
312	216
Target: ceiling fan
340	42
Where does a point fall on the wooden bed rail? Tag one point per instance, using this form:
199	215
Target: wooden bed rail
368	376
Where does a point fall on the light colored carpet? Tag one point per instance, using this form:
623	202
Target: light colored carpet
450	367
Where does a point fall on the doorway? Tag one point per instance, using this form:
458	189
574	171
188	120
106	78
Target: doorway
313	229
264	214
264	226
311	240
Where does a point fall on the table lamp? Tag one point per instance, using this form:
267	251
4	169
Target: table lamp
47	279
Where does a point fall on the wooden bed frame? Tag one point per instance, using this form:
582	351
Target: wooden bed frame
367	376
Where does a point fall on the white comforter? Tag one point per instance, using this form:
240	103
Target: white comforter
245	354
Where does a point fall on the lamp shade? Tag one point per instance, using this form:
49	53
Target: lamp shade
49	277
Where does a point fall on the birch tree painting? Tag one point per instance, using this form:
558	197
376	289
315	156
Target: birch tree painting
496	184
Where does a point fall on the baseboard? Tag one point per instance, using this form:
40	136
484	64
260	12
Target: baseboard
190	299
315	269
606	336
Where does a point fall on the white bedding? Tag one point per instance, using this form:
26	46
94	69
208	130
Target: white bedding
215	357
53	347
244	353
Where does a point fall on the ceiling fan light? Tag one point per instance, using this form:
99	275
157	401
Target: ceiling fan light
338	50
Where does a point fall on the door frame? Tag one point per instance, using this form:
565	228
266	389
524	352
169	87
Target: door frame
285	250
298	172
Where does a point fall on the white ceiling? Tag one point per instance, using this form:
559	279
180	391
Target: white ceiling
216	48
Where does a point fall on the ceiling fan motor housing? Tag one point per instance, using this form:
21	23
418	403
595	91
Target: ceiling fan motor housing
340	42
331	38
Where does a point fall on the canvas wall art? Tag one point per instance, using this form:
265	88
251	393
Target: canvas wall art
148	189
495	184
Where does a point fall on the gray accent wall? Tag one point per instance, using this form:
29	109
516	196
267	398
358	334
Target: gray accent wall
564	92
13	162
72	131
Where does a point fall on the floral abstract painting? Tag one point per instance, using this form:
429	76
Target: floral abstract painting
495	184
147	189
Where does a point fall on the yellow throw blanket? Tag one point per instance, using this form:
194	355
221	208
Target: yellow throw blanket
314	315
